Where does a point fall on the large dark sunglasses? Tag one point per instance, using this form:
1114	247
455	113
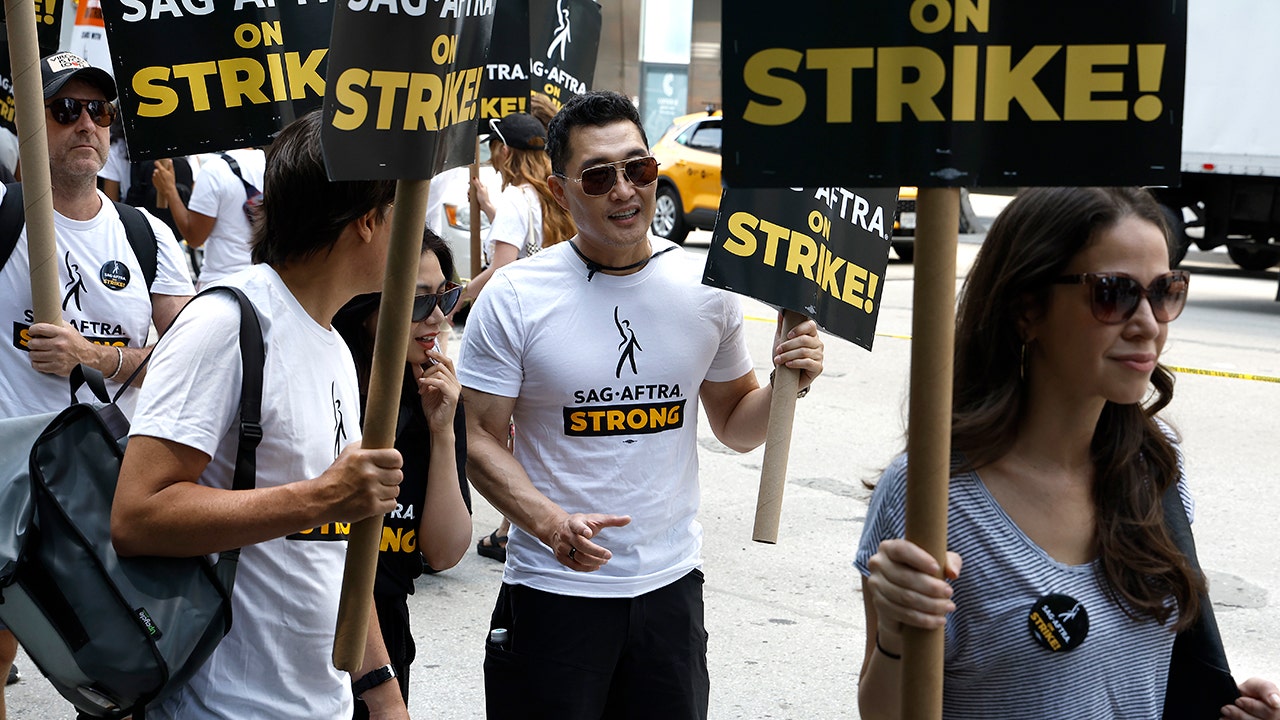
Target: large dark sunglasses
599	180
424	303
66	111
1114	297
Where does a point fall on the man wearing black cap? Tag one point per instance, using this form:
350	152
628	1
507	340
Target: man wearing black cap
106	303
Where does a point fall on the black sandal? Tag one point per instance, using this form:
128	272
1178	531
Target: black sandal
495	549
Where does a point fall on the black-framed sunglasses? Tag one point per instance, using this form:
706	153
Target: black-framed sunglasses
425	303
599	180
66	111
1114	297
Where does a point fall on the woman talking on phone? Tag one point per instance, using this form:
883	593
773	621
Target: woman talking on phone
431	525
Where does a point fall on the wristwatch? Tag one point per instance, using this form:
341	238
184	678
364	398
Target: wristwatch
372	679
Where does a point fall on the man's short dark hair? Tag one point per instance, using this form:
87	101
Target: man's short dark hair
303	213
598	108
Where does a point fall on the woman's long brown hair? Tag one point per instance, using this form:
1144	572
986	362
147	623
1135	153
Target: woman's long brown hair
531	167
1029	245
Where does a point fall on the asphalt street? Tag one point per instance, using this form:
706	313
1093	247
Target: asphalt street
786	620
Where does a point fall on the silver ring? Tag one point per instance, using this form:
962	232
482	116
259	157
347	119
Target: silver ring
572	551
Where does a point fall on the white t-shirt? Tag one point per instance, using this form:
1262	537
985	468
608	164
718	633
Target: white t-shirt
219	194
512	212
104	297
277	660
606	376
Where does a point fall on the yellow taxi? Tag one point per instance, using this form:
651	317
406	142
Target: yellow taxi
689	189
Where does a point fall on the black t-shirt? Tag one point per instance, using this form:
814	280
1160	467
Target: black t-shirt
400	562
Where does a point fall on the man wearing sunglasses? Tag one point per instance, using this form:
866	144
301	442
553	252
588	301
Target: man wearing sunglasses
603	347
107	306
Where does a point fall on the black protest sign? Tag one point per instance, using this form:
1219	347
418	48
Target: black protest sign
953	92
505	89
564	39
48	26
8	111
404	87
821	252
198	77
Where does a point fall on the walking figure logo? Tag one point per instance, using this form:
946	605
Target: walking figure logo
1071	614
74	285
564	33
339	431
628	346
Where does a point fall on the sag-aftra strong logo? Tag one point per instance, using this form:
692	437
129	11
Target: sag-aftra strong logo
632	409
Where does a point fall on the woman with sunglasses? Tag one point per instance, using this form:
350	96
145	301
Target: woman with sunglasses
430	529
526	217
1072	590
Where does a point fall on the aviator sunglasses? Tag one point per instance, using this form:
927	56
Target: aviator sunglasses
66	111
424	303
600	179
1114	297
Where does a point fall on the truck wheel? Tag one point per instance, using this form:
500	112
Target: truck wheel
906	249
668	216
1179	239
1253	256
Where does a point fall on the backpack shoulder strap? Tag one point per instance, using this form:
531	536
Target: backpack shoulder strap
142	238
253	359
235	168
11	220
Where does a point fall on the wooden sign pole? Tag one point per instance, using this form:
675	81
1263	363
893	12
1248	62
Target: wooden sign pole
33	149
777	444
929	428
474	200
381	411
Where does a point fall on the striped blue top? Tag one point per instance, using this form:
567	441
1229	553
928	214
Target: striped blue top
994	667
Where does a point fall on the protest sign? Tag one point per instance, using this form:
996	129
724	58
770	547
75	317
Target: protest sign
404	104
564	39
48	25
200	76
505	89
404	97
821	252
8	111
953	92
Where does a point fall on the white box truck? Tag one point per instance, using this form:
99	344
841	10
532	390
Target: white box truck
1231	133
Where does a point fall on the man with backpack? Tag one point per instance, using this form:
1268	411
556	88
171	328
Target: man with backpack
219	215
316	245
120	269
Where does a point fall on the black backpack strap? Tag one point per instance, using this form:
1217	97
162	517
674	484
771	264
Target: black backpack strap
249	189
253	359
11	219
142	238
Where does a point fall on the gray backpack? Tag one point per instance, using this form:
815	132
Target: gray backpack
112	634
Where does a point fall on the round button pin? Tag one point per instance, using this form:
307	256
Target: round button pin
1058	622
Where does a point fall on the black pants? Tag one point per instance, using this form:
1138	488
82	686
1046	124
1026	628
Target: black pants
393	620
575	658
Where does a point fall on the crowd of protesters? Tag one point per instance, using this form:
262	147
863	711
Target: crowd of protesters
1058	386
